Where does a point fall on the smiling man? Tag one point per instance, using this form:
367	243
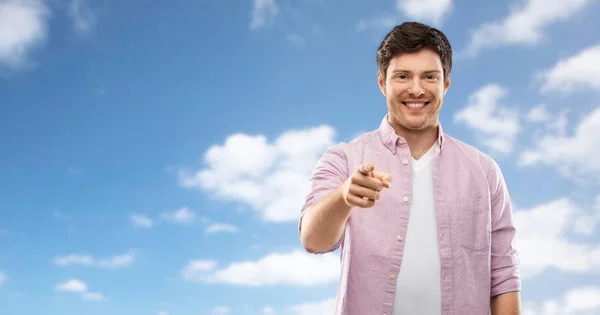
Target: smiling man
437	241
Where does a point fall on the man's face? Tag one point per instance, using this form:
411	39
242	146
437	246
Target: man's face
414	89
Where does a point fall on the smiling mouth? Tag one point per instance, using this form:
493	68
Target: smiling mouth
415	105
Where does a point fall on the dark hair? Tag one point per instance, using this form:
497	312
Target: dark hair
412	37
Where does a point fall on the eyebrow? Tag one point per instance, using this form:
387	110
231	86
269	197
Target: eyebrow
408	71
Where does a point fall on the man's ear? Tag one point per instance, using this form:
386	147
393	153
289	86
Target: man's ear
381	83
447	85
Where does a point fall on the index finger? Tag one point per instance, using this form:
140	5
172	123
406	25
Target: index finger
384	177
366	169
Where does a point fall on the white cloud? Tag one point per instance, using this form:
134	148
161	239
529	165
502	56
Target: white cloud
162	313
538	114
78	286
322	307
141	221
268	310
573	155
183	215
195	267
524	25
263	11
23	26
72	285
2	278
496	124
432	12
296	268
429	11
81	15
222	310
113	262
220	227
574	73
543	238
579	301
272	178
93	296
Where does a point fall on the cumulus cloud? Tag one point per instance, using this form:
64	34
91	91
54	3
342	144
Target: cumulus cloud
141	221
432	12
79	287
573	73
263	11
524	25
497	125
296	268
579	301
81	15
572	155
221	228
429	11
222	310
112	263
322	307
272	178
544	238
538	114
23	27
183	215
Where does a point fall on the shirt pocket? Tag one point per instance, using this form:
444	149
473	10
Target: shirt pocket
474	223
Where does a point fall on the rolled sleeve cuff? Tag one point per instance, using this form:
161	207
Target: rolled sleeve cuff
303	211
506	278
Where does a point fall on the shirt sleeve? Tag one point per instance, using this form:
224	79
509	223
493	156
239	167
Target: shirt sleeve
329	173
505	275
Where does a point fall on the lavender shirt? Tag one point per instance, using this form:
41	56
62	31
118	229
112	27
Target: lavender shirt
475	225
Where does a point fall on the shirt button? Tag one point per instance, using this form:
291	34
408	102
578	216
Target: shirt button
392	276
400	141
400	237
405	199
405	162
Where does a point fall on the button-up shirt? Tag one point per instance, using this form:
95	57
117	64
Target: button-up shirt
475	228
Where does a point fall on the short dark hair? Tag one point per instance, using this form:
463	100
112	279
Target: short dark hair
412	37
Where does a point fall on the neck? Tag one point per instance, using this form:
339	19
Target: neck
419	141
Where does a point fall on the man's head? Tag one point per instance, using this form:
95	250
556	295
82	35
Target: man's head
414	62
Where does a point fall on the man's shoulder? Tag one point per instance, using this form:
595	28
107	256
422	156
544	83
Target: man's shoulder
468	153
359	141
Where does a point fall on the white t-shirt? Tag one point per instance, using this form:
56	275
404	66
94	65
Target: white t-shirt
418	289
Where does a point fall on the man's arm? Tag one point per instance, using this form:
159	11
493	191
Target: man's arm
505	278
323	223
328	176
508	303
333	195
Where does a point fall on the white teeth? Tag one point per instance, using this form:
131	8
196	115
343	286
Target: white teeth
415	105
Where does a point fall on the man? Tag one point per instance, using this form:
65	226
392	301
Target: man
439	239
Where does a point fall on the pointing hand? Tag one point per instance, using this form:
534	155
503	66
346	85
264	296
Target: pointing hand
364	187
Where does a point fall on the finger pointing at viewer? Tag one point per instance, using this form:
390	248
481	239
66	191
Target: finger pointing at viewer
364	187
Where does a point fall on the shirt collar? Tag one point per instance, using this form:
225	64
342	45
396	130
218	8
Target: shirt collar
390	139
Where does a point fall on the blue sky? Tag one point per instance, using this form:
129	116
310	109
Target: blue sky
156	156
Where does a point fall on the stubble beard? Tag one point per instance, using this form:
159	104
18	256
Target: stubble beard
426	124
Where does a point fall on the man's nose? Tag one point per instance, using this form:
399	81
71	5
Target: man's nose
415	88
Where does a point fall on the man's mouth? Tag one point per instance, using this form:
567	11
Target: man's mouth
415	105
